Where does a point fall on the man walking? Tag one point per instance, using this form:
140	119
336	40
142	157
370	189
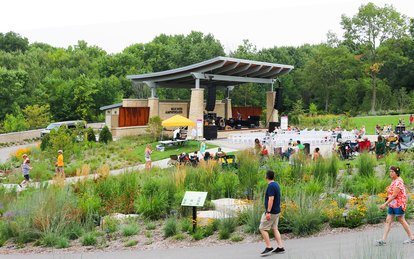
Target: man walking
59	164
270	218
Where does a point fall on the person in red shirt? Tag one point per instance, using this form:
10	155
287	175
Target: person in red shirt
411	119
396	202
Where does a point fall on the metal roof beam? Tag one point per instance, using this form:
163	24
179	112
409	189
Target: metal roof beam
272	73
239	69
261	72
232	78
227	68
250	71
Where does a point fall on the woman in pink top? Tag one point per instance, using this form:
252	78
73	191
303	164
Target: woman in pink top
397	202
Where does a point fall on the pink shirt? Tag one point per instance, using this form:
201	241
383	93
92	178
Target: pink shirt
401	199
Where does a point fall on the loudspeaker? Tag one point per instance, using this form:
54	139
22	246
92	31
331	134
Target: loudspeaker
278	99
210	132
211	96
273	125
399	129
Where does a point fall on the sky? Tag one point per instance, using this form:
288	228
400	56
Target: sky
114	25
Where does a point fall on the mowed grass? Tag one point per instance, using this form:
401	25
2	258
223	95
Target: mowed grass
370	122
188	147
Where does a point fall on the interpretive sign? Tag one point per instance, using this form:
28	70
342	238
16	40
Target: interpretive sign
199	128
195	199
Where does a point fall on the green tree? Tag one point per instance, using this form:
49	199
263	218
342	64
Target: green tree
90	135
105	135
83	97
371	27
12	41
37	116
154	127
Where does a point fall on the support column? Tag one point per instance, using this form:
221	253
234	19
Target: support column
153	104
272	113
196	107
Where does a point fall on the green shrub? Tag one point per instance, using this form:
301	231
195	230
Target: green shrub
111	224
151	226
230	182
306	223
374	215
90	135
332	169
179	236
199	234
89	239
75	231
105	135
224	234
209	230
62	242
49	239
185	225
45	142
254	215
237	238
131	243
248	172
129	230
170	227
154	127
320	170
153	202
366	165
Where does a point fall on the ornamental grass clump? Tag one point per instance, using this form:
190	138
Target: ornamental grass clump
366	165
332	169
171	227
129	229
248	172
89	239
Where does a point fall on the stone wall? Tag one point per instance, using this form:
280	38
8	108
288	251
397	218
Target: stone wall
118	133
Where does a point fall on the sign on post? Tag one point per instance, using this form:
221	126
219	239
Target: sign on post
194	199
284	122
199	128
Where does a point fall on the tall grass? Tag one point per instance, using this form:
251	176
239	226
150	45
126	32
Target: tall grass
248	172
366	165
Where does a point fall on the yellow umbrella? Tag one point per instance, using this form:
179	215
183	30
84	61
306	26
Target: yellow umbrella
177	121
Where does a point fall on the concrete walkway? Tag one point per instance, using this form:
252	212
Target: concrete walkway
5	151
345	245
70	180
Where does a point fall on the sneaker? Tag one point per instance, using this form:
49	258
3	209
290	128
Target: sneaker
20	185
279	250
380	242
409	241
267	251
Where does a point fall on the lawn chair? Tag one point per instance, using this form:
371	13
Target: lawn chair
173	160
229	162
364	146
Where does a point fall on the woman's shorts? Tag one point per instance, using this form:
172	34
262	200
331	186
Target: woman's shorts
147	159
26	177
396	211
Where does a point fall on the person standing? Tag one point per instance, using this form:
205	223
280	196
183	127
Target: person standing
203	147
411	119
59	164
270	217
316	154
147	155
25	158
396	202
26	168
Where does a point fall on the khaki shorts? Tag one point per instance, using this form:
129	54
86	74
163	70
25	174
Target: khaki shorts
59	169
269	224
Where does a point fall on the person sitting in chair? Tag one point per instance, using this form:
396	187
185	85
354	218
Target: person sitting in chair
207	156
183	158
220	153
176	134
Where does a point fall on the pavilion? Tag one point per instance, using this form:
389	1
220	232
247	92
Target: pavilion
224	72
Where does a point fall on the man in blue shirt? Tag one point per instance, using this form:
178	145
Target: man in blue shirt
270	218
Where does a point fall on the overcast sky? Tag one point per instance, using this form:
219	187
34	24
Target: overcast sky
116	24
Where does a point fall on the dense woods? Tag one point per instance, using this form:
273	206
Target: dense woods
369	68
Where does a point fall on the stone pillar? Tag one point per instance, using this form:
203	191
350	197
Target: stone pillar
153	104
270	102
196	107
229	112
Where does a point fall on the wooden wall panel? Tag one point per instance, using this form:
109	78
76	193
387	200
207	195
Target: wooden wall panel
246	111
133	116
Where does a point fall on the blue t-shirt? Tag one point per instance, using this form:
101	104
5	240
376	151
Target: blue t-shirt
273	189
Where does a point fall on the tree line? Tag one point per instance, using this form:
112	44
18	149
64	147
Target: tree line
369	69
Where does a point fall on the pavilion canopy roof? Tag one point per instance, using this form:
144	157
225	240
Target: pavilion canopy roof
224	71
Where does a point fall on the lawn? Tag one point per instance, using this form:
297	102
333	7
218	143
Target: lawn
188	147
371	121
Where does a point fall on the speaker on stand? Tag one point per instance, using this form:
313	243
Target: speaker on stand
278	99
211	96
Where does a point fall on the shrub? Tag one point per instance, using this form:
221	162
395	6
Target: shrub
151	226
248	172
170	227
374	214
254	215
152	203
332	169
237	238
131	243
224	234
228	223
199	234
185	225
62	242
49	239
179	236
89	239
320	170
154	127
209	230
366	165
105	135
75	231
90	135
129	230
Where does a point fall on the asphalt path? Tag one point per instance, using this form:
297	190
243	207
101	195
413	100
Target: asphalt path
344	245
5	151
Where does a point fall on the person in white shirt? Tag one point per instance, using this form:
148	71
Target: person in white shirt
176	133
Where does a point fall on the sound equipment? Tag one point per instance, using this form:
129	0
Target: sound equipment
255	120
210	132
278	99
399	129
211	96
273	125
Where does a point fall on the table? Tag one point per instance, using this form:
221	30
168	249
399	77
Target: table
178	142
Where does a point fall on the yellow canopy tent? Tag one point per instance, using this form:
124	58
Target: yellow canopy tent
177	121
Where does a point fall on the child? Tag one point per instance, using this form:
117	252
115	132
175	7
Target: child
26	168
